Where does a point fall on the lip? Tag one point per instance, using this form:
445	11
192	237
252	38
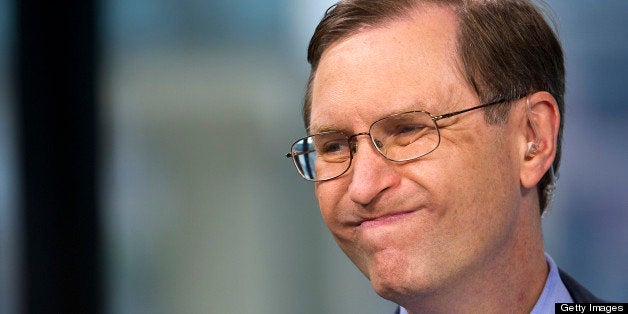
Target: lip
386	219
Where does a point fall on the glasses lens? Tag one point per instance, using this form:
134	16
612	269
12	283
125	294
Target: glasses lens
322	156
405	136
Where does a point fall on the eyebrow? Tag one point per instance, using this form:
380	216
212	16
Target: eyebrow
416	105
324	128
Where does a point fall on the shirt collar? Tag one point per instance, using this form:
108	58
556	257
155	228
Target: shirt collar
553	292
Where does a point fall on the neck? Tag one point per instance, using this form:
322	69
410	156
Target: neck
510	282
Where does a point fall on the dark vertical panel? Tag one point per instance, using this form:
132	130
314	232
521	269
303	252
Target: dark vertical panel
55	70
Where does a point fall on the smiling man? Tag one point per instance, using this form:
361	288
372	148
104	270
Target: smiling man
434	129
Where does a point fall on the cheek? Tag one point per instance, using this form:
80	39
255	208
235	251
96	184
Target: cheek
329	194
470	177
483	183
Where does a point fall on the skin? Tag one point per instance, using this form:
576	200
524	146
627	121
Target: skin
457	230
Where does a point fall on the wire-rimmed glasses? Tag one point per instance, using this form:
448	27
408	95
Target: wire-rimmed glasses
399	137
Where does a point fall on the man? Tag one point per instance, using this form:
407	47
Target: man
434	132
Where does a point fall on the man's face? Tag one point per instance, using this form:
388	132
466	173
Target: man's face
424	225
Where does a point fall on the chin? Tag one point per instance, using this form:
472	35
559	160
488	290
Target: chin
390	276
394	279
389	290
396	289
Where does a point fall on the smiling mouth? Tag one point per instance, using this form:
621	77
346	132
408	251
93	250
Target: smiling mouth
385	220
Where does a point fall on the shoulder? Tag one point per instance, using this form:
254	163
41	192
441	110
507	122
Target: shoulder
576	290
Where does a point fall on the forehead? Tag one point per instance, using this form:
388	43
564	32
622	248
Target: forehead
400	65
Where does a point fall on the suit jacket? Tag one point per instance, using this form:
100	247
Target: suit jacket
578	293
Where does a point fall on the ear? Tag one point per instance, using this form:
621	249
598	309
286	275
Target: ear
541	134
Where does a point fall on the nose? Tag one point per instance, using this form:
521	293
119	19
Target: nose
371	173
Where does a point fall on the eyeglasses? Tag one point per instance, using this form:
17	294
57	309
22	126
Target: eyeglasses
399	137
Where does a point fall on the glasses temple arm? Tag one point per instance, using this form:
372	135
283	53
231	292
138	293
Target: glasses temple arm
288	155
451	114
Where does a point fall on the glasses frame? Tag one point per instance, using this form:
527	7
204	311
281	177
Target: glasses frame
350	138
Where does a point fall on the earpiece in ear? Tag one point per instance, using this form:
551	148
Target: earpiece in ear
532	149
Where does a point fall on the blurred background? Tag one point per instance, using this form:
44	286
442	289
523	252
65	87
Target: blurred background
198	210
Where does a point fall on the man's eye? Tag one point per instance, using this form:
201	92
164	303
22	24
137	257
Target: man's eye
378	143
334	147
409	128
